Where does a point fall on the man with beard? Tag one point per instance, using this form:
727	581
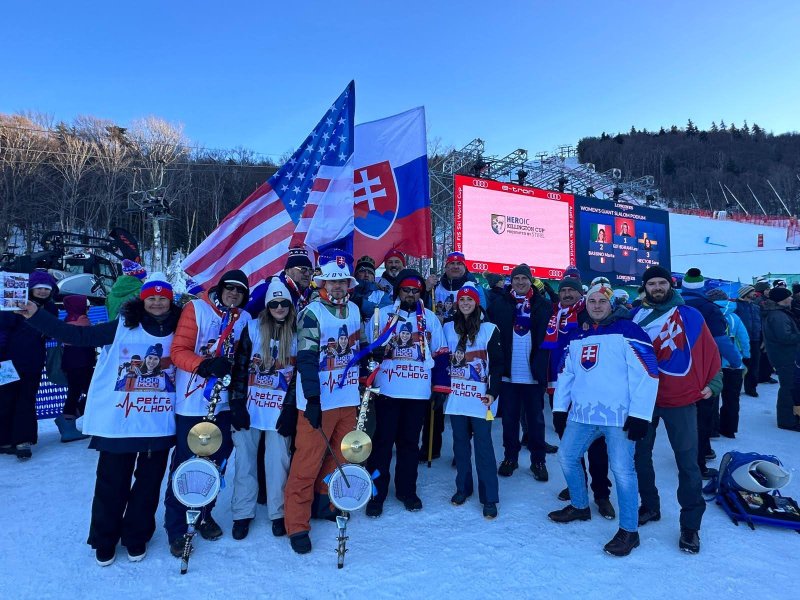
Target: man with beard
327	394
406	380
393	262
689	369
296	276
521	317
568	315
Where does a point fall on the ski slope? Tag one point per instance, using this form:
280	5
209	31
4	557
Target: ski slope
732	250
440	552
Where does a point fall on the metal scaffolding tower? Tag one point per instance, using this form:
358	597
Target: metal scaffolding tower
559	170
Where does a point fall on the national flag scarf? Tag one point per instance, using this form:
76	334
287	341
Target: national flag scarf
562	320
522	316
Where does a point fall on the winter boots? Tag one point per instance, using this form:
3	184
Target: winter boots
622	543
209	529
278	527
69	432
24	451
539	471
689	541
605	508
241	527
301	542
507	468
648	514
490	511
569	513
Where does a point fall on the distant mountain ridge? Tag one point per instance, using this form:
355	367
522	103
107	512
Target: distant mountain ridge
696	168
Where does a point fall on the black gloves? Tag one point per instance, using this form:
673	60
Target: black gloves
313	412
378	354
438	398
559	423
240	418
287	420
219	366
636	428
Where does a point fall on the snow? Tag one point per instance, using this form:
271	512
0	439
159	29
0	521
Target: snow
442	551
738	258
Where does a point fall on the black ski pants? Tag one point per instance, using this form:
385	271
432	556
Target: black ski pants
121	511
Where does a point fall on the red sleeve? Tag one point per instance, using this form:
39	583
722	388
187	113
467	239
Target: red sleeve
183	343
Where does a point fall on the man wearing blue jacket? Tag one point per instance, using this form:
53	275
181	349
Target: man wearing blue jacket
693	293
608	383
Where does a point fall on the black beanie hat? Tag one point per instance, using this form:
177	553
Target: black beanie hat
656	271
409	274
236	277
522	269
779	293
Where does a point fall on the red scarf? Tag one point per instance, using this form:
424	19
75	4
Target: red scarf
562	320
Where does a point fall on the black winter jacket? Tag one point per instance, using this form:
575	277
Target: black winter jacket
22	344
502	308
781	334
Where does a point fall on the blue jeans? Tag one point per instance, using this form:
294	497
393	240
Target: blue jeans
480	430
513	396
577	439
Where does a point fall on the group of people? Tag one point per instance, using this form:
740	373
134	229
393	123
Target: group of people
296	347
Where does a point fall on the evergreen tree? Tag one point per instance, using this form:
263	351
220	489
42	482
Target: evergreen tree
668	166
714	127
690	129
722	126
745	130
674	129
633	130
661	131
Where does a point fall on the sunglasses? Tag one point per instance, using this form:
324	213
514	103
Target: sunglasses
279	304
230	287
410	290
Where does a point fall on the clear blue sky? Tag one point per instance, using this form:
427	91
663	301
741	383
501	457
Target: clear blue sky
530	74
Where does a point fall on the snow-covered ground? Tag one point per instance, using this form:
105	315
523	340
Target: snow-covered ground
441	552
732	250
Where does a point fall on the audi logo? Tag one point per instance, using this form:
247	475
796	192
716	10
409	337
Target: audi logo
480	183
480	266
555	273
553	196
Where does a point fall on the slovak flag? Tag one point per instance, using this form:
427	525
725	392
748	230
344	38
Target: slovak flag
390	187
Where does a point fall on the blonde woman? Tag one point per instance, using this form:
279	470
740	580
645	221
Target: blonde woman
257	398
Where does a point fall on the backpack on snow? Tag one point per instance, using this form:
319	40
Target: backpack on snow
746	488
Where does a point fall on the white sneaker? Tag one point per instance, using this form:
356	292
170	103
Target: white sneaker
104	561
137	557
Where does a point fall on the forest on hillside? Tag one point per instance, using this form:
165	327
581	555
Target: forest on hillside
91	174
707	169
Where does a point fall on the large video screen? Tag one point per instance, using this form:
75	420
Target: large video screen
618	240
500	225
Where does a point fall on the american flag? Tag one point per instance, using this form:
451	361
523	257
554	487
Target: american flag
257	235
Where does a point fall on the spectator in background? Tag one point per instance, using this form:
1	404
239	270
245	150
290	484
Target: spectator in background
782	340
750	315
24	346
693	293
728	415
78	365
367	296
393	263
126	286
765	369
